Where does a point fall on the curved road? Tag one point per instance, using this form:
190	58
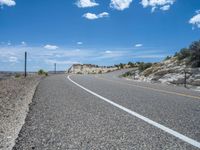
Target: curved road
106	112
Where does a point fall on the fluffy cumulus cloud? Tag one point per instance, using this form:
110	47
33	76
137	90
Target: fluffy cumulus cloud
120	4
86	3
92	16
161	4
51	47
7	2
195	20
138	45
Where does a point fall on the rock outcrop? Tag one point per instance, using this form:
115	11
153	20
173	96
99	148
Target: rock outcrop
171	71
90	69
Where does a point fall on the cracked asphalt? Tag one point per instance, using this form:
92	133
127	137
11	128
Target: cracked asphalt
64	116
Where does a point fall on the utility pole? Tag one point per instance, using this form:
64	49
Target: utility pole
25	64
55	68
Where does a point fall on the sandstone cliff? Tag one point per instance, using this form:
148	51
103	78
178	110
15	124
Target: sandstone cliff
90	69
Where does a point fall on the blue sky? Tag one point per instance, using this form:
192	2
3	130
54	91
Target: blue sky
103	32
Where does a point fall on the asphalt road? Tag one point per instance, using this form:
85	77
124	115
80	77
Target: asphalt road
105	112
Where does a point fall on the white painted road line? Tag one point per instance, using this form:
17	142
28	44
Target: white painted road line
166	129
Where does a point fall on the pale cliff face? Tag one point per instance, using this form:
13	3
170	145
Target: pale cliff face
171	71
90	69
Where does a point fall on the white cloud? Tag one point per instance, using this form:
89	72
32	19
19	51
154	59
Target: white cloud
150	56
9	43
7	2
108	52
138	45
195	20
162	4
120	4
165	8
92	16
86	3
51	47
13	59
79	43
103	14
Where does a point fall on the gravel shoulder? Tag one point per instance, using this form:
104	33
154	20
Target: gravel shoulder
15	96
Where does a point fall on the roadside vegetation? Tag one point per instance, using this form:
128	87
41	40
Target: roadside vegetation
128	74
42	72
190	55
143	66
17	75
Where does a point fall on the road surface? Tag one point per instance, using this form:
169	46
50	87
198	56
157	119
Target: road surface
105	112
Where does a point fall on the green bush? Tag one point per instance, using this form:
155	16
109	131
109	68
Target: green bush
194	58
191	54
131	64
143	66
127	74
184	53
42	72
167	58
121	66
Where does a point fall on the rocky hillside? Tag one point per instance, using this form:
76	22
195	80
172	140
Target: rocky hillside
171	71
90	69
185	63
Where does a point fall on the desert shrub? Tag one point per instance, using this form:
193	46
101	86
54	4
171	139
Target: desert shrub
194	58
184	53
131	64
17	75
167	58
121	66
117	66
191	54
42	72
127	74
143	66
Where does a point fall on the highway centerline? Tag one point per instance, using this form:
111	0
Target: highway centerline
155	124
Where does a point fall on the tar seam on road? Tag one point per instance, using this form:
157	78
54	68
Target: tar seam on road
153	89
162	127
